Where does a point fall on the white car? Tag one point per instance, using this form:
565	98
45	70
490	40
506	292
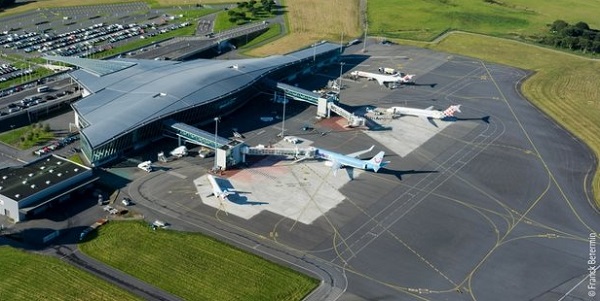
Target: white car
126	202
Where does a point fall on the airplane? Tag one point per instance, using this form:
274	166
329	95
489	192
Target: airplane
351	161
218	192
222	194
425	113
382	79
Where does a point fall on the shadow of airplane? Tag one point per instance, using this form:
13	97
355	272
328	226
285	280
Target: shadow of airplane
400	173
243	200
420	85
485	119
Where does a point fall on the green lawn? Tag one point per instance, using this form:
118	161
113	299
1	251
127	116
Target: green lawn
193	266
424	20
273	31
33	136
27	277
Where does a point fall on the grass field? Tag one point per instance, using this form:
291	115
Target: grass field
193	266
37	136
27	276
309	21
424	20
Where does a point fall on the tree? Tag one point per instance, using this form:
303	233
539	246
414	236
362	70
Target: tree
582	25
47	127
585	45
558	25
595	47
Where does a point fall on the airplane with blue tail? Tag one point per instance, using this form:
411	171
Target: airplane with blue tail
350	161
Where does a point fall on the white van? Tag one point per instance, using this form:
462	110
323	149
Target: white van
291	139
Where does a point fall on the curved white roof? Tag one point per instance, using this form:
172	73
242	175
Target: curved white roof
146	90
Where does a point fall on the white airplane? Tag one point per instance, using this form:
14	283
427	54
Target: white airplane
382	79
222	194
218	192
351	161
425	113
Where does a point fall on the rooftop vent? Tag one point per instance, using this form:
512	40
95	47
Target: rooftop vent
76	169
48	182
25	182
31	175
32	186
59	174
0	187
17	196
51	171
4	177
58	163
42	167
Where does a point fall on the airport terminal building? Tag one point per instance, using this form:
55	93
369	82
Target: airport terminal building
128	103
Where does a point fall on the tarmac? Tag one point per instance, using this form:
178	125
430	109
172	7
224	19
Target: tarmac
495	204
486	206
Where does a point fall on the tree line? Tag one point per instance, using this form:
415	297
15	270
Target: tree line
577	37
246	11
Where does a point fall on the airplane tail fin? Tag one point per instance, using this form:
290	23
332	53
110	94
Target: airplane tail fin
377	161
449	112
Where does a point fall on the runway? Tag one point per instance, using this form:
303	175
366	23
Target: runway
495	205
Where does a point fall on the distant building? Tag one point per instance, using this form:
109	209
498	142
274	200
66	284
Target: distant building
126	102
28	190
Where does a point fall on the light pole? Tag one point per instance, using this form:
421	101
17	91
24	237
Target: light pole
216	130
340	84
283	120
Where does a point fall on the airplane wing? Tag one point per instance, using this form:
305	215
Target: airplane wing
432	122
350	172
335	166
357	154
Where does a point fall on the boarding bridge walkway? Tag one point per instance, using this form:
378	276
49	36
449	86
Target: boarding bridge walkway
353	120
193	135
321	102
279	151
299	94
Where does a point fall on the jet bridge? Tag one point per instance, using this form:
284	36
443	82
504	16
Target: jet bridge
194	135
227	151
299	94
325	103
353	120
298	153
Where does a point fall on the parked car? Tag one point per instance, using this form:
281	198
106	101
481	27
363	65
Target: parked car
126	201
